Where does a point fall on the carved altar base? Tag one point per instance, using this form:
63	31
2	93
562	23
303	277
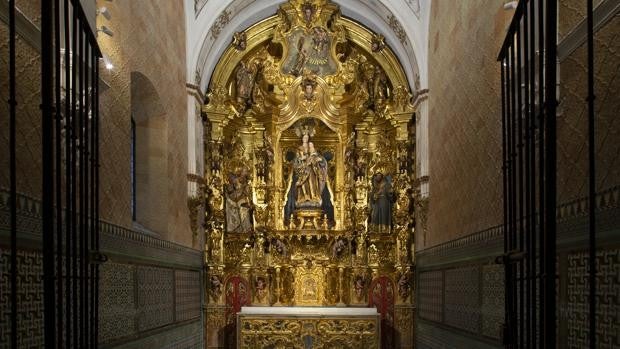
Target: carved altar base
309	219
308	327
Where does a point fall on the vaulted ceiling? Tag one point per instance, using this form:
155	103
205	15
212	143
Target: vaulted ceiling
211	23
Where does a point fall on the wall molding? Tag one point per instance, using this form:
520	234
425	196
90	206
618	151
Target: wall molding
119	243
603	13
23	25
571	217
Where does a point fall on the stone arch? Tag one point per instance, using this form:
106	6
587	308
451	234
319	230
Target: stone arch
241	14
151	155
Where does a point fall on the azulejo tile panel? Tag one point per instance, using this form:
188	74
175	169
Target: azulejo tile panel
29	299
430	286
492	299
155	297
132	297
608	299
462	298
187	294
116	301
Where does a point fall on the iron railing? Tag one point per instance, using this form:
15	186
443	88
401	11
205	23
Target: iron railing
528	61
70	176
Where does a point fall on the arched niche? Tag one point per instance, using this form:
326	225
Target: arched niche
150	155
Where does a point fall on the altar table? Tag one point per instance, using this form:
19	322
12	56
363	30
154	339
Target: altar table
308	327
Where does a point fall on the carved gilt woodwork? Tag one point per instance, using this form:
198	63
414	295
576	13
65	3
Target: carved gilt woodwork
304	109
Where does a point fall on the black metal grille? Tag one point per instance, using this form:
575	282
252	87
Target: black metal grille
70	176
528	61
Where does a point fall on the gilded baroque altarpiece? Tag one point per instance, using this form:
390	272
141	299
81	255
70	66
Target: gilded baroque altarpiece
309	158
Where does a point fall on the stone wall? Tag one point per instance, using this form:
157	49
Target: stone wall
28	125
464	123
151	287
573	112
149	42
460	290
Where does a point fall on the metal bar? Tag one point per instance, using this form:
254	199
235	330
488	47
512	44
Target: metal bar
74	138
81	15
91	162
527	222
58	170
80	148
512	28
541	171
86	198
68	188
591	179
509	269
47	144
13	171
519	184
514	180
96	118
532	164
504	180
550	171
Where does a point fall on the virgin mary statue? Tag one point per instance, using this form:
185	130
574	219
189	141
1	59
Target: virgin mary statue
308	182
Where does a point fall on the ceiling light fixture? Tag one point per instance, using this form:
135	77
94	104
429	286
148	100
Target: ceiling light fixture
106	30
104	12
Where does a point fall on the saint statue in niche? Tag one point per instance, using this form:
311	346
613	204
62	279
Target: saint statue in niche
238	192
238	203
308	183
381	198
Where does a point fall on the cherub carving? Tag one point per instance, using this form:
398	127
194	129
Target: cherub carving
377	43
308	10
240	41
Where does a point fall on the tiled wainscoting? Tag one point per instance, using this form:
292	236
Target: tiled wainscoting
460	289
150	289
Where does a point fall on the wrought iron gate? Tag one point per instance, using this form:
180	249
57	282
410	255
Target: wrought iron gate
528	60
70	175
